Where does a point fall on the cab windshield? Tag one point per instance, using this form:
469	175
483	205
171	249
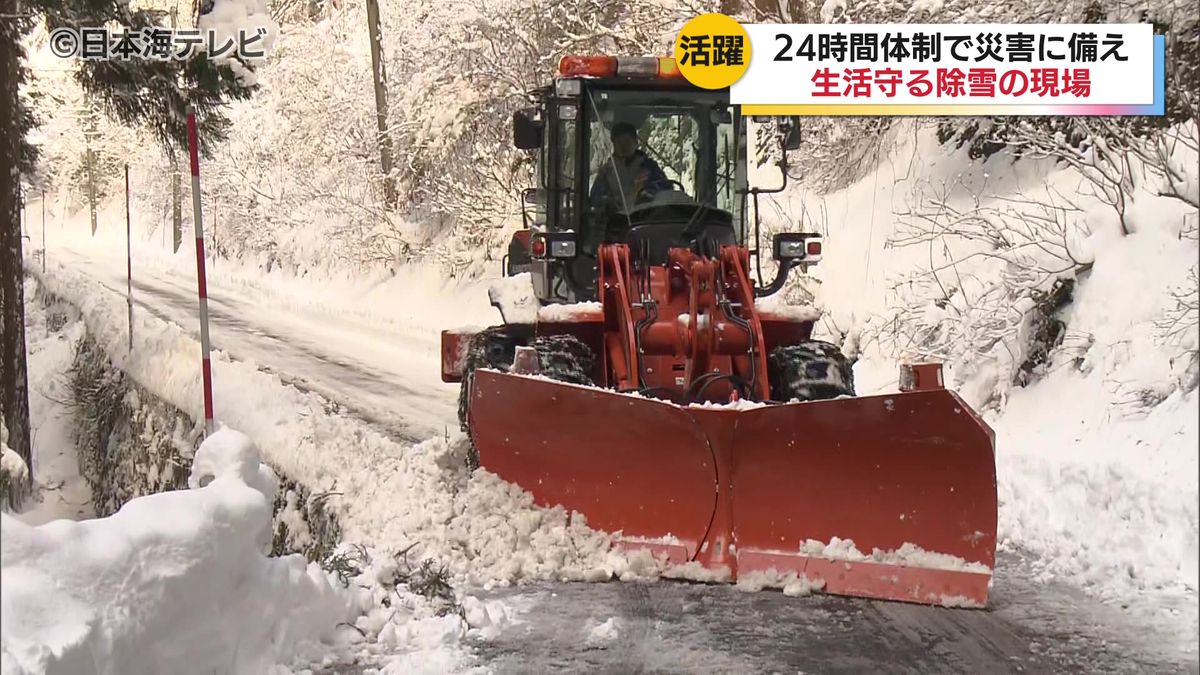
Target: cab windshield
647	149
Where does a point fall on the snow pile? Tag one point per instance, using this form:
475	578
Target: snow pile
908	555
173	580
384	492
487	617
776	307
1097	462
406	621
499	536
1116	510
514	297
694	570
792	584
738	405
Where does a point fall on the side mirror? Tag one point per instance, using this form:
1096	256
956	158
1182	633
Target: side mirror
533	207
527	129
791	133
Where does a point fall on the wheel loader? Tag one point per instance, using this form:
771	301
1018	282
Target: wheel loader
650	392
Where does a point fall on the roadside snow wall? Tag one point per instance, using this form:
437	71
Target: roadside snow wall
133	443
172	582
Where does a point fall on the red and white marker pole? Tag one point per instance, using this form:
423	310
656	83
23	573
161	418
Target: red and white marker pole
201	280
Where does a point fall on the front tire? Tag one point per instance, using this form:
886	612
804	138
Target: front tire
493	348
564	358
813	370
560	357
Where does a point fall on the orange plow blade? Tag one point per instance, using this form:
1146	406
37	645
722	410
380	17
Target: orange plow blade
628	464
890	497
909	478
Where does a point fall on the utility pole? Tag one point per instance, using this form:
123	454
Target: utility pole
176	180
176	205
43	230
381	105
91	166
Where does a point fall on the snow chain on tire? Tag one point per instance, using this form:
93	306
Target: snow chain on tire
809	371
560	357
489	348
564	358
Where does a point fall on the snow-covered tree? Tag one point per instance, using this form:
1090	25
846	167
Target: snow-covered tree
151	94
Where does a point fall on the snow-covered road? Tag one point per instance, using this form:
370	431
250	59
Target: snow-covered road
380	363
386	375
670	627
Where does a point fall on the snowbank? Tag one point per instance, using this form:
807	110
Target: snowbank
173	582
1096	456
385	493
1108	502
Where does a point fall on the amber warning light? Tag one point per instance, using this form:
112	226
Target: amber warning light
619	66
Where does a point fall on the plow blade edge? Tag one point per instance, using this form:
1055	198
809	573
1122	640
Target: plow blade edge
909	478
890	497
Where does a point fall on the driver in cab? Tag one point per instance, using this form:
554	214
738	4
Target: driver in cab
630	176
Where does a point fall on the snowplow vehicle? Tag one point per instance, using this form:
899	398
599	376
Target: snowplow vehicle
650	391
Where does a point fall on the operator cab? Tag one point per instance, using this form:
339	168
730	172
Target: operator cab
681	182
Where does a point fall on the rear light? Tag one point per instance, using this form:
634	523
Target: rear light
553	245
797	247
537	248
624	66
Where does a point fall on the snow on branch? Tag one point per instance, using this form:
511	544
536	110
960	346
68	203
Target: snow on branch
997	270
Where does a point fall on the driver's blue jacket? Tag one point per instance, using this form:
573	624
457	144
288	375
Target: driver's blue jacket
623	173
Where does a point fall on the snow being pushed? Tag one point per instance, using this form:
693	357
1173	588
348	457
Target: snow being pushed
173	582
